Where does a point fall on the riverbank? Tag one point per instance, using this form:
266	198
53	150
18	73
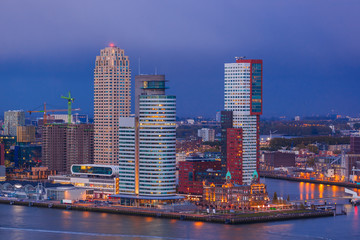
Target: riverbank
221	218
295	179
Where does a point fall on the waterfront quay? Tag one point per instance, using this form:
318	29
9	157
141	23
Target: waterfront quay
42	223
297	179
225	218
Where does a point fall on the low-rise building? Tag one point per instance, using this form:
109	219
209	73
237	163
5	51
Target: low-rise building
232	196
279	159
104	179
193	172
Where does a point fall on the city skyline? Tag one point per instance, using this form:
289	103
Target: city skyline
303	82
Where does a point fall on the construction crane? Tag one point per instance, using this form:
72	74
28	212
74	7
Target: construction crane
46	111
70	100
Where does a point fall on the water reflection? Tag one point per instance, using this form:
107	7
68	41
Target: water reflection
198	225
43	224
305	191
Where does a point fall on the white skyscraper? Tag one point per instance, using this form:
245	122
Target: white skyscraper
243	96
147	142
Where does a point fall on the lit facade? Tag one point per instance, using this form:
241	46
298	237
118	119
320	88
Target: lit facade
104	179
243	96
12	119
157	145
25	134
112	100
127	155
230	196
147	142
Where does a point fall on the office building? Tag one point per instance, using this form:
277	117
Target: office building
79	144
234	154
279	159
147	142
67	144
206	134
27	155
112	100
9	143
25	134
226	121
243	96
104	179
194	172
2	154
12	119
355	144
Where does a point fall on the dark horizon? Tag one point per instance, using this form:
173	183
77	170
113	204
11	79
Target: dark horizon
310	51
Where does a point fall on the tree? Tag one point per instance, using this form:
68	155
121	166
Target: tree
275	198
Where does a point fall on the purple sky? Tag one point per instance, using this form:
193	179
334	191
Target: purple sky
311	50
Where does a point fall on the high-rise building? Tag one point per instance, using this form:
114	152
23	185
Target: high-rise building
25	134
234	152
112	100
243	96
206	134
67	144
226	121
54	147
12	119
79	144
147	142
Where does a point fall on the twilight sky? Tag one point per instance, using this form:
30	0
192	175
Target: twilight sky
310	49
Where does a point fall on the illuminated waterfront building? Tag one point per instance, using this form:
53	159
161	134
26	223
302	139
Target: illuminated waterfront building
104	179
147	142
243	96
232	196
112	100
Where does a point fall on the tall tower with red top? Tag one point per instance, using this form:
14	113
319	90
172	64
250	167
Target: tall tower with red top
243	96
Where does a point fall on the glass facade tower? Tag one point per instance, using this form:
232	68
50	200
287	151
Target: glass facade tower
243	96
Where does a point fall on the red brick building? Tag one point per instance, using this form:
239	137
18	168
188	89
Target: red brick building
192	173
234	153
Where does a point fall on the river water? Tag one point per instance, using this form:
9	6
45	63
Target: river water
19	222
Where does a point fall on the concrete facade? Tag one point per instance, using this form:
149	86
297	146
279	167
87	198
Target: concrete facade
112	100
